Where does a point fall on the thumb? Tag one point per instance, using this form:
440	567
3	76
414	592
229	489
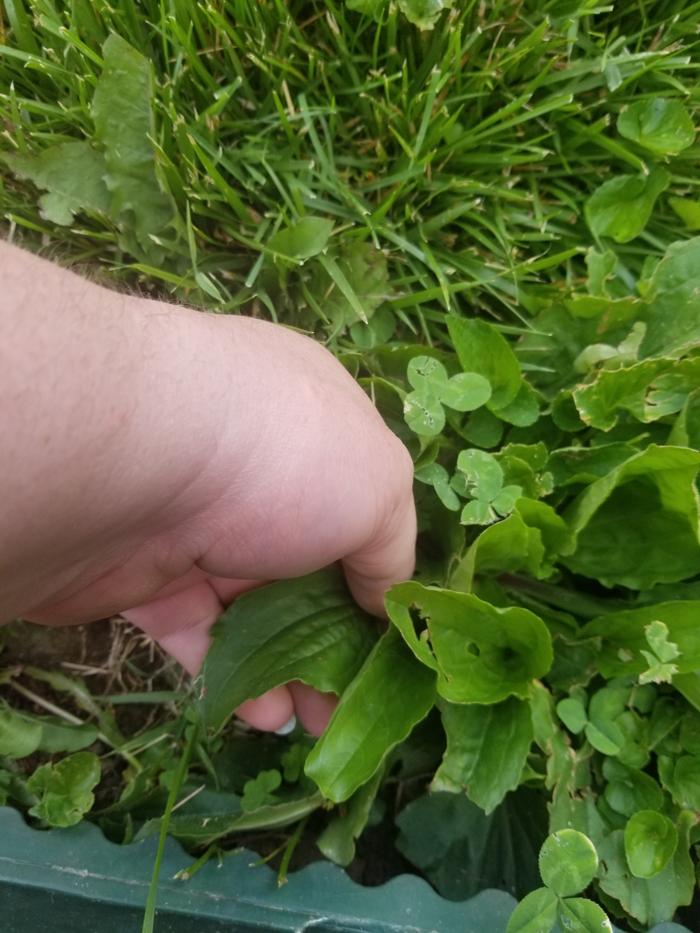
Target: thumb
389	557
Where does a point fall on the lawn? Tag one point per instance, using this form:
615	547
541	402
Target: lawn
487	212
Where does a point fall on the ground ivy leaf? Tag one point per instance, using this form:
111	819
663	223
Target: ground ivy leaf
73	175
301	240
623	635
620	208
638	525
581	915
462	851
388	697
65	789
306	629
487	748
650	841
648	900
568	862
122	109
481	349
483	654
660	125
536	913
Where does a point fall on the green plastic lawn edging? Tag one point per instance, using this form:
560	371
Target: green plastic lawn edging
75	879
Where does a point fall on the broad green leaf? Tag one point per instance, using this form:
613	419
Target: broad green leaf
391	693
624	637
71	173
301	240
521	411
64	789
673	296
650	841
58	736
660	125
688	211
337	841
19	736
648	391
568	862
481	349
620	208
581	915
122	109
536	913
424	13
462	851
648	900
208	822
482	653
306	629
638	525
487	749
478	512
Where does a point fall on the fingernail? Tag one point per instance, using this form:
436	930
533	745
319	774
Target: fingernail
288	726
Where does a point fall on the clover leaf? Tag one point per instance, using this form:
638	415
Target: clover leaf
433	389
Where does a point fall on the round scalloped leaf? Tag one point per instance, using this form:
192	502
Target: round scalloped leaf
568	862
650	841
661	126
466	392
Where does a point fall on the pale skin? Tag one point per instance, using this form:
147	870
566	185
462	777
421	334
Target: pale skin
156	461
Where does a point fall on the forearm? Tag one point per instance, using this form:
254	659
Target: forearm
90	387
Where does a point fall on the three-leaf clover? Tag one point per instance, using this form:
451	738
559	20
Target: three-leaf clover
480	476
568	863
433	389
260	790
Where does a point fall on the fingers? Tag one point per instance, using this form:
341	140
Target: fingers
386	559
270	712
313	709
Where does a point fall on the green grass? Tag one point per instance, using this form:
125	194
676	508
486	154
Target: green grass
464	153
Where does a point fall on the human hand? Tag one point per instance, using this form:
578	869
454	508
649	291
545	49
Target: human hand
221	453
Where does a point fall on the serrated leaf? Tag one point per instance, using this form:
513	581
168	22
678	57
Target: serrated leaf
487	748
73	175
122	109
660	125
391	693
568	862
306	629
673	296
621	208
